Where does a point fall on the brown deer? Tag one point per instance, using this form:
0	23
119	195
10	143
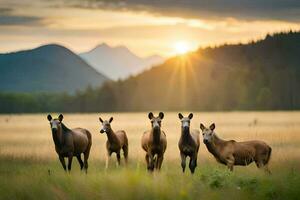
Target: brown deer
70	142
115	141
154	142
232	153
189	143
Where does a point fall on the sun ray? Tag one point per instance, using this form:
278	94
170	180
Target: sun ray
184	74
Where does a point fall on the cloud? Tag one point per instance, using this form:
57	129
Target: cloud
5	10
8	18
285	10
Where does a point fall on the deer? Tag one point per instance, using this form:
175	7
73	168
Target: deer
189	143
70	142
115	142
154	143
230	152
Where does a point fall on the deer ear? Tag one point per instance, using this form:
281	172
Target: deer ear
180	115
202	127
110	120
100	120
161	115
60	117
191	115
212	126
49	117
150	115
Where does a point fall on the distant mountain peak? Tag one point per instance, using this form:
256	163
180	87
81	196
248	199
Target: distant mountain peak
101	46
51	46
55	45
118	61
105	47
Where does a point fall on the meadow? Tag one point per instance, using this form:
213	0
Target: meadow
29	167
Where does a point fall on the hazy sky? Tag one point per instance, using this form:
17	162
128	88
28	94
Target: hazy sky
146	26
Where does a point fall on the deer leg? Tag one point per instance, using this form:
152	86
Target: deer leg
230	163
147	160
260	165
63	163
80	161
85	160
107	160
151	162
156	163
230	167
267	170
118	159
193	164
183	161
160	159
266	166
125	151
70	158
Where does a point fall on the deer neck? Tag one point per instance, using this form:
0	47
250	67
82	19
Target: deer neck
185	134
214	146
155	136
111	136
59	136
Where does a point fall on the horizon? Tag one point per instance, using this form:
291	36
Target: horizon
250	40
144	29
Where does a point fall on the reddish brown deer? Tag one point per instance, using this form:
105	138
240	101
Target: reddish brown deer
189	143
232	153
154	142
70	142
115	141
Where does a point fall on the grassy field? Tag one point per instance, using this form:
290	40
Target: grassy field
29	167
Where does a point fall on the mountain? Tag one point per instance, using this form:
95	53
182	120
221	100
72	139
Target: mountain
49	68
118	62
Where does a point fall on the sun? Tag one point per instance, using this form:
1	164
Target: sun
181	47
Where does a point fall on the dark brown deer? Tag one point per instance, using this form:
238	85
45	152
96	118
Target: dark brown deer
70	142
154	142
189	143
115	141
232	153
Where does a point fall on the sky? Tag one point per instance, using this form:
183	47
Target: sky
146	27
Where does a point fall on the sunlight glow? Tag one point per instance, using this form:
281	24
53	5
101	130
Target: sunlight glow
181	47
80	28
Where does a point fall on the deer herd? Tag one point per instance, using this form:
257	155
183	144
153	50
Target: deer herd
71	143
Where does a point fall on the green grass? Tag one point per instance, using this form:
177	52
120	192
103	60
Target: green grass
27	178
27	154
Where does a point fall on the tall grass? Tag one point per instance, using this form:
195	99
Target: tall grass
29	168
